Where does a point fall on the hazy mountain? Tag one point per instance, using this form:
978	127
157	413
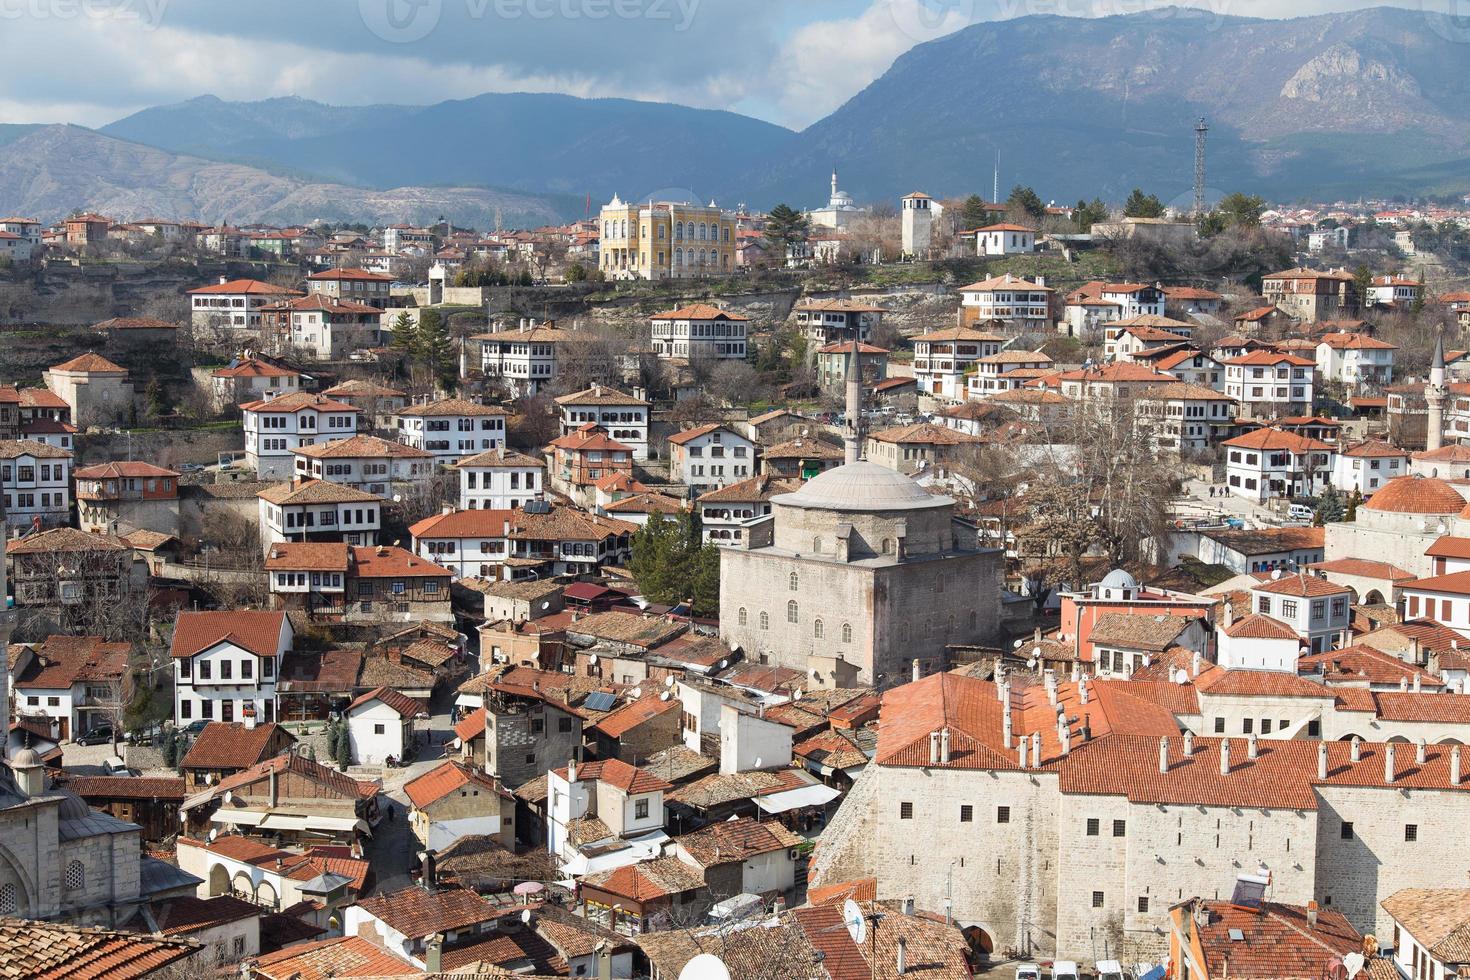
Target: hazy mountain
536	143
52	170
1345	102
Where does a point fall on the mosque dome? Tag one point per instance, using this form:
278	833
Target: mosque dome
861	487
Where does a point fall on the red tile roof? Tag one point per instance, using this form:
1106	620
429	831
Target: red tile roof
699	311
1300	585
298	401
406	706
53	951
1277	941
446	778
614	772
1416	495
1266	439
1363	567
230	745
618	723
257	631
1257	627
1268	358
417	913
237	287
1456	583
341	956
1259	683
90	363
388	561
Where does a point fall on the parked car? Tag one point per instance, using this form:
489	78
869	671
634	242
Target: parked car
1064	970
1111	970
1028	971
100	735
195	727
1300	512
115	766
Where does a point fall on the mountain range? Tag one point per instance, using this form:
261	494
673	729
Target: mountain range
1372	102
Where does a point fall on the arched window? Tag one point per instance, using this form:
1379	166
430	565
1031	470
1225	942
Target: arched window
950	628
818	629
793	582
75	876
846	632
765	621
725	233
888	546
679	232
817	545
701	231
742	615
689	230
661	232
792	611
678	256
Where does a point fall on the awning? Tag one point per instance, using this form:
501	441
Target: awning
817	794
268	820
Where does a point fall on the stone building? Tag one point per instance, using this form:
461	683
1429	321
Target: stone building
97	390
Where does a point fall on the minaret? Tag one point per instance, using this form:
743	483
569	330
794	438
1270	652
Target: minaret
834	183
852	424
1435	394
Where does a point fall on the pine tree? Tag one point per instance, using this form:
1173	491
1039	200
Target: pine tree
344	746
1352	507
1026	202
434	349
785	226
157	398
1329	508
1141	205
403	334
973	214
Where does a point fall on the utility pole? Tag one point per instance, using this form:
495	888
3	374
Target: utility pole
1201	131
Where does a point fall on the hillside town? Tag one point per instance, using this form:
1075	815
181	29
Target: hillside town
799	591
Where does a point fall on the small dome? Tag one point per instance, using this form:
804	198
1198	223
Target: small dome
73	807
1416	495
862	486
1119	579
26	758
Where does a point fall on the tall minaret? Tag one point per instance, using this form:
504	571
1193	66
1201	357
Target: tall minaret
852	424
1435	394
834	185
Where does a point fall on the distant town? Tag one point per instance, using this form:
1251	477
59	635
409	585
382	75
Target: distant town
943	586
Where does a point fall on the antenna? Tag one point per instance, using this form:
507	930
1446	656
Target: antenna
1201	131
852	917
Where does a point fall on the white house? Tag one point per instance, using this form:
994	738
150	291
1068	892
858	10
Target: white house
699	332
1005	240
1442	598
530	358
1010	299
1268	384
710	456
315	510
1319	612
1355	359
250	379
353	285
942	359
35	479
1270	463
1185	416
26	228
1257	642
78	682
322	326
235	304
628	800
725	512
1192	367
226	664
508	544
276	426
499	479
1396	291
366	463
1096	303
451	428
998	372
624	417
1430	926
1365	466
14	248
380	725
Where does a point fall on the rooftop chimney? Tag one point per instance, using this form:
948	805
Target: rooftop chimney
1312	914
1082	691
1050	679
1005	724
1454	765
918	670
1036	749
1403	683
434	953
902	955
1163	753
1189	743
1252	746
1356	751
944	746
1194	664
933	748
1416	682
1224	756
1321	760
1419	752
1388	766
1022	751
1064	734
572	770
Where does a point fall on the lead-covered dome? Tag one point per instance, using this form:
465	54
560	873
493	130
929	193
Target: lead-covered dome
862	486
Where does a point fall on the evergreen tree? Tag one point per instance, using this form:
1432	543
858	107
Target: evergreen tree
344	746
1026	202
1352	507
170	750
1141	205
1086	215
1329	508
157	398
1363	281
403	334
973	214
434	349
672	564
785	226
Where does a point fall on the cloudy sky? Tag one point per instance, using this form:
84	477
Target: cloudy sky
787	61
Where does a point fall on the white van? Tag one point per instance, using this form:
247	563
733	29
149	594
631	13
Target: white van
1300	512
1110	970
1064	970
1028	971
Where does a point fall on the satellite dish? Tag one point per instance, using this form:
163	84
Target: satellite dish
1275	574
545	604
592	660
1036	651
852	917
1031	663
213	833
1354	963
636	693
669	681
1016	645
664	696
705	966
526	916
724	664
796	694
398	498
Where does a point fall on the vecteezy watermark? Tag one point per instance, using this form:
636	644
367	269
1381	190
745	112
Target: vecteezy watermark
1450	19
925	20
145	13
406	21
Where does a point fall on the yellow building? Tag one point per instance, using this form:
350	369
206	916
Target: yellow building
664	240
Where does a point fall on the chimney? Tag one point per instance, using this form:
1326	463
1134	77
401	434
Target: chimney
430	875
908	905
1454	765
933	748
902	955
223	280
1419	752
1163	753
1050	679
604	961
1321	760
1252	746
1194	664
1356	751
944	746
1022	751
1036	749
1005	724
1416	682
274	798
1189	743
1388	766
1224	756
918	670
1403	683
434	954
1312	914
572	770
1064	734
1076	671
1082	691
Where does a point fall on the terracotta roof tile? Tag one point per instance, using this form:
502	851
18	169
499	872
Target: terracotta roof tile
341	956
1301	585
230	745
615	772
446	778
406	706
257	631
90	363
1437	918
52	951
416	912
618	723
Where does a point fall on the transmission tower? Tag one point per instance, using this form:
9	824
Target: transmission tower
1201	131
